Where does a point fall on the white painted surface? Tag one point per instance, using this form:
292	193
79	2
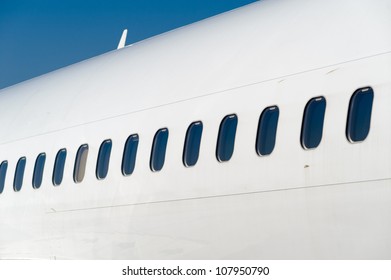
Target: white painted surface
269	53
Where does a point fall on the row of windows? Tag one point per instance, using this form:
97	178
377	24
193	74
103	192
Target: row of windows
357	129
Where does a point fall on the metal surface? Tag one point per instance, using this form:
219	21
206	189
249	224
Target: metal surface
332	202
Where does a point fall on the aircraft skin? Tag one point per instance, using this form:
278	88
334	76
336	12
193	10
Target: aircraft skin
331	202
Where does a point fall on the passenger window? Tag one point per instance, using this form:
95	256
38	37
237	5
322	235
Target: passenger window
312	126
192	144
19	173
359	116
80	163
38	170
267	129
129	156
3	172
102	165
226	138
159	146
59	165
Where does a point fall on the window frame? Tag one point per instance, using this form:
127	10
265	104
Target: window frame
55	167
105	160
273	108
38	172
3	175
129	142
186	149
20	168
306	120
349	121
220	144
154	151
80	163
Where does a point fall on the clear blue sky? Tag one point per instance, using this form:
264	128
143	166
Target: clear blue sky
39	36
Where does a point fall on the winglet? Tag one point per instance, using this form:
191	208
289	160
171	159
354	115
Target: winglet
122	42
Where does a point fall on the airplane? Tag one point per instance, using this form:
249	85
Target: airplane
260	133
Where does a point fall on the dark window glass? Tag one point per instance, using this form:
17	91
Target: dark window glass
38	170
312	126
192	144
19	173
226	138
129	157
359	116
3	172
267	129
80	163
102	166
59	165
159	146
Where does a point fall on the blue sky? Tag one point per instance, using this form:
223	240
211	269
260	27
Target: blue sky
39	36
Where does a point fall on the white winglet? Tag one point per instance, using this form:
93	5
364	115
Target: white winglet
122	42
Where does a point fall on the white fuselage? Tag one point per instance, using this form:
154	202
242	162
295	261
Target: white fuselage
332	202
